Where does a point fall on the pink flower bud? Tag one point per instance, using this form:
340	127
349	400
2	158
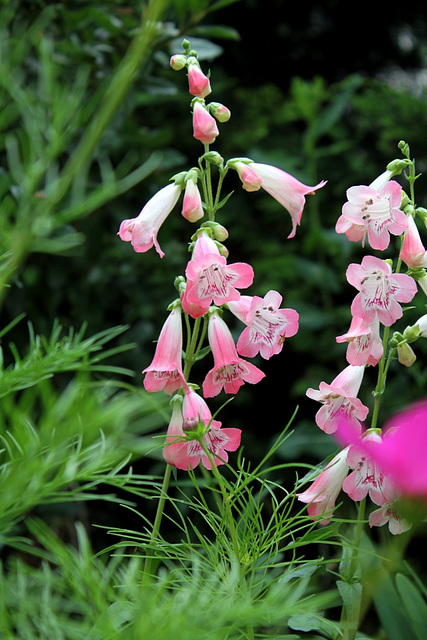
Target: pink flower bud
192	209
178	62
204	125
219	111
198	83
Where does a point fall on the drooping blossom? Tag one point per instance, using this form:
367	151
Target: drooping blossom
142	231
389	514
204	125
364	342
192	208
198	83
367	476
210	279
267	325
286	189
322	494
230	371
413	253
402	452
191	421
165	371
339	400
373	213
380	291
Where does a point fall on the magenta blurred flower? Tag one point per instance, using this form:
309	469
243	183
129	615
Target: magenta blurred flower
373	213
339	400
165	371
142	231
322	494
402	452
267	325
286	189
364	342
230	371
380	291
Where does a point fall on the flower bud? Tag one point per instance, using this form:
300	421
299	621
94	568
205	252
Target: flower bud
397	166
218	232
423	214
198	83
178	62
214	158
204	125
219	111
405	355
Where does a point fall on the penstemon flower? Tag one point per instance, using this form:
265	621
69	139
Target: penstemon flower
380	291
339	400
373	213
142	231
364	342
204	125
322	494
286	189
198	82
165	371
210	279
192	208
230	371
389	514
267	325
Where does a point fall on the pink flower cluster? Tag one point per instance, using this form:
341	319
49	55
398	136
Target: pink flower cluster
211	286
371	212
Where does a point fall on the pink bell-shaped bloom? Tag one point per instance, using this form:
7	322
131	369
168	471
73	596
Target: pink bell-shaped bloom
402	452
388	513
339	400
413	252
165	371
229	371
380	291
192	208
364	342
142	231
198	83
267	325
286	189
210	279
204	125
373	213
367	477
193	417
322	494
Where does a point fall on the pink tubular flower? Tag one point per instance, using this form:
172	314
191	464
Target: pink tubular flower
286	189
142	231
165	371
380	291
209	278
322	494
267	325
367	477
402	453
229	371
374	213
192	208
339	400
198	83
183	449
204	125
364	342
413	252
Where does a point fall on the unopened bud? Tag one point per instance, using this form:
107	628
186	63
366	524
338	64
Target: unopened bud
397	166
178	62
405	355
218	232
420	211
214	158
190	425
219	111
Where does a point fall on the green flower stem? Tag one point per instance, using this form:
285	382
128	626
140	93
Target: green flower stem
192	351
350	615
383	366
157	521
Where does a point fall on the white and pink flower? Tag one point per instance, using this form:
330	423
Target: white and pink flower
267	325
142	231
198	82
339	400
204	125
322	494
364	342
192	208
230	371
380	291
286	189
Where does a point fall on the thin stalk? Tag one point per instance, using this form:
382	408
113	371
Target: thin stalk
158	520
